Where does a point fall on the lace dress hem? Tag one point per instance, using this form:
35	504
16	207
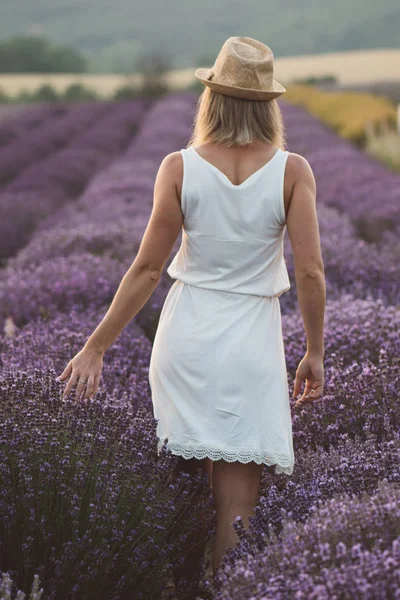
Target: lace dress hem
283	463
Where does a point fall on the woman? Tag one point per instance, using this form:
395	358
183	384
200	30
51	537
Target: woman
217	371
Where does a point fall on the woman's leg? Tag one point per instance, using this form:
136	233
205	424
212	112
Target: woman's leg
236	489
196	542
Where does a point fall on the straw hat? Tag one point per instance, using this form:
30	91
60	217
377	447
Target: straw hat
243	69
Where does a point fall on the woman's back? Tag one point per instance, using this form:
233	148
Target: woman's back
233	232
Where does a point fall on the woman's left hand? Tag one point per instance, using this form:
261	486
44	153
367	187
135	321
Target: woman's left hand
85	369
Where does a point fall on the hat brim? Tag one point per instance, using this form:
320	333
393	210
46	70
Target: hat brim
238	92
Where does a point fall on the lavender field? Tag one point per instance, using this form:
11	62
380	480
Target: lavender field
87	510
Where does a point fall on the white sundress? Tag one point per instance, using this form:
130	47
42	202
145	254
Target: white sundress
217	370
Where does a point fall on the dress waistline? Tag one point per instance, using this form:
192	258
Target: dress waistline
202	287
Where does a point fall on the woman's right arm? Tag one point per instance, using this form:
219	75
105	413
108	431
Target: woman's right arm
303	231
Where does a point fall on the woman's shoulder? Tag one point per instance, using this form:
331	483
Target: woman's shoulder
298	162
298	167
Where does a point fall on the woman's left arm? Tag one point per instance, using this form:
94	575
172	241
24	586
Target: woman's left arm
139	282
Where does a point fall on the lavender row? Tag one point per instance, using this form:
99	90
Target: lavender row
50	340
106	137
347	178
28	120
101	460
352	265
53	181
129	182
98	517
49	137
96	244
348	548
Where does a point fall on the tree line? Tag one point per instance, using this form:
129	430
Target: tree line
34	54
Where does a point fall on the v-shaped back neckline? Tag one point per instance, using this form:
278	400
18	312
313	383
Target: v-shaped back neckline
226	178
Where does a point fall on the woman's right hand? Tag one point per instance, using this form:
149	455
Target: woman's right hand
311	371
86	365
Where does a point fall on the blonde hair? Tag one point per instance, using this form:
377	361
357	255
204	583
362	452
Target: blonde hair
232	121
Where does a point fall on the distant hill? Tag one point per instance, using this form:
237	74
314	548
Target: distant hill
113	34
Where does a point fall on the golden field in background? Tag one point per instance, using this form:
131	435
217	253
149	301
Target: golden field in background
352	114
348	67
367	120
385	147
